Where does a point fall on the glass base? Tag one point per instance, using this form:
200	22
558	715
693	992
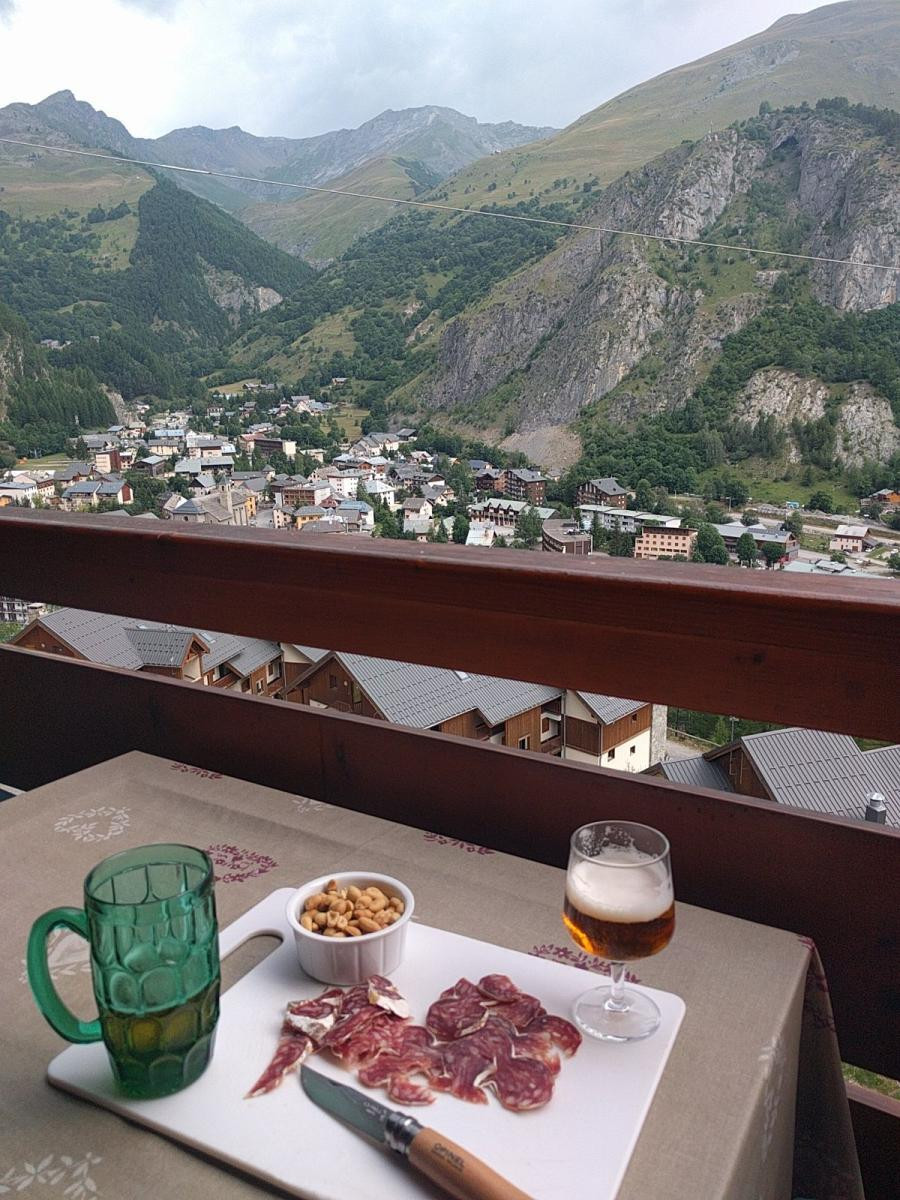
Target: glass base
595	1015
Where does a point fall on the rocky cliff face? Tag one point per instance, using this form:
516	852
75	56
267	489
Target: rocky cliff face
235	296
864	430
567	331
12	357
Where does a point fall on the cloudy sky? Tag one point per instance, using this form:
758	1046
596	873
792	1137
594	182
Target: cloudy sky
300	67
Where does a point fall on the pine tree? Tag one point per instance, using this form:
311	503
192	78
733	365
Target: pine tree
747	553
460	528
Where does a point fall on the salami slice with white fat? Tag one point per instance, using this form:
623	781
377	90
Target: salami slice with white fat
290	1052
476	1037
521	1083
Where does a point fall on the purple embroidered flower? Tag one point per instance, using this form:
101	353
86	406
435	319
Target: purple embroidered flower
238	864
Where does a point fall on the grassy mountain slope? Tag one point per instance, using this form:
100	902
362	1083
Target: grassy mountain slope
849	49
442	140
319	227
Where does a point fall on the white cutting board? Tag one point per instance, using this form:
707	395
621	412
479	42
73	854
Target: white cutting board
577	1145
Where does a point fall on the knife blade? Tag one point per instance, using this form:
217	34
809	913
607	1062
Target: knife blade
452	1168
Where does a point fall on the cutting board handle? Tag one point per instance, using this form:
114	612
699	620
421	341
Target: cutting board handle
255	924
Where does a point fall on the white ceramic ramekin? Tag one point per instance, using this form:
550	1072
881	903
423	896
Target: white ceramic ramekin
350	960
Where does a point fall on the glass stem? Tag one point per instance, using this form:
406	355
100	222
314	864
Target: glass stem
617	1000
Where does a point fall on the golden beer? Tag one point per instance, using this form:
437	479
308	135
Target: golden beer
618	908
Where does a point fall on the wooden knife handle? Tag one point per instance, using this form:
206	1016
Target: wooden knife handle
458	1172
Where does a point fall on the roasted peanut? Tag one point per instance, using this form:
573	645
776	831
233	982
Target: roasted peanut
335	933
378	903
353	893
396	902
367	925
320	920
354	931
331	885
307	921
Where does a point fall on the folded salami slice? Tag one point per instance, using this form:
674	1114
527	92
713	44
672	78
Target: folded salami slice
290	1052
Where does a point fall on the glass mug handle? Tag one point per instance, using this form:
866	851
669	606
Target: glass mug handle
65	1023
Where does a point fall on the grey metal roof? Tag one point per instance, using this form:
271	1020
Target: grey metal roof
160	647
824	772
313	653
527	476
409	694
608	485
123	642
698	772
609	708
190	506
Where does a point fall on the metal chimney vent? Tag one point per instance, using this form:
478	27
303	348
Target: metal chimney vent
876	810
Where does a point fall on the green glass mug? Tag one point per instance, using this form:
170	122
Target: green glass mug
150	920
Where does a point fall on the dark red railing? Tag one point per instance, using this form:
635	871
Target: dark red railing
817	652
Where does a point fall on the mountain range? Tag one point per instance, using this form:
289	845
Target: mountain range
424	145
573	347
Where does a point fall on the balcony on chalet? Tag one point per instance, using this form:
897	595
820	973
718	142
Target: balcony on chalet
816	653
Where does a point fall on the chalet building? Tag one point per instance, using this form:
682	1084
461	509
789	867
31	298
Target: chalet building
19	491
107	461
490	479
889	497
806	768
380	489
89	493
153	465
197	466
417	508
215	659
620	734
523	484
165	447
75	472
17	612
312	492
605	491
851	539
503	711
654	543
297	661
504	513
268	445
629	520
607	731
565	537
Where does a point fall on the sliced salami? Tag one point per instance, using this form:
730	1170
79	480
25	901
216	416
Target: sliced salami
521	1083
562	1032
403	1090
476	1037
290	1052
452	1017
498	987
465	1067
383	993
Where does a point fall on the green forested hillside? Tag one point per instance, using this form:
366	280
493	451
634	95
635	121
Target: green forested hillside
157	320
41	404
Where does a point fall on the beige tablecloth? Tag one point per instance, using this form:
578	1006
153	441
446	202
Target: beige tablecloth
757	1036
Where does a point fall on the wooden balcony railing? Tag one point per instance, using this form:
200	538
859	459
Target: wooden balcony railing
822	653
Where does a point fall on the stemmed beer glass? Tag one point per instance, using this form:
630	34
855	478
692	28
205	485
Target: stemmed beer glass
619	906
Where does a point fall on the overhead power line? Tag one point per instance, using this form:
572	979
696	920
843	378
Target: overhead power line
467	212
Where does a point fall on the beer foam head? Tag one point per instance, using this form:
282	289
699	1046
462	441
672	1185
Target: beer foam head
621	885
